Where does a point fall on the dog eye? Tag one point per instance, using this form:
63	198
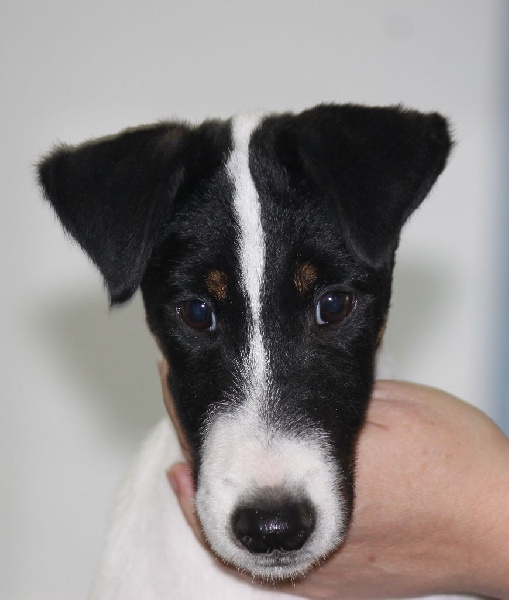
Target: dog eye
333	307
197	314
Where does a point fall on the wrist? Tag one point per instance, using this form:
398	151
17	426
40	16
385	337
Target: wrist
490	550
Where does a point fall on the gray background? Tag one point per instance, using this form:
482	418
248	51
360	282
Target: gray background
79	386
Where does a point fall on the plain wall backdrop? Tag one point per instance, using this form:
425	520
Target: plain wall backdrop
79	386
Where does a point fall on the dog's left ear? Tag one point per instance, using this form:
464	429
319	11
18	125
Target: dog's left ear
375	165
114	195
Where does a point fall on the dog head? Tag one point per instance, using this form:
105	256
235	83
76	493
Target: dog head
264	249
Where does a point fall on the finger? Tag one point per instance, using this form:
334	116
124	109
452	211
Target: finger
164	370
181	480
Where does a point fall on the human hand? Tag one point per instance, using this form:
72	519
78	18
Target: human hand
432	506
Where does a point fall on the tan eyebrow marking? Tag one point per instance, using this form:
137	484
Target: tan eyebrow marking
305	277
217	284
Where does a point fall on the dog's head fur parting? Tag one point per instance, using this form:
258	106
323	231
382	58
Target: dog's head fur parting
264	249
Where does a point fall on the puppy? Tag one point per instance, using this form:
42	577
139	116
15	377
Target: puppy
264	249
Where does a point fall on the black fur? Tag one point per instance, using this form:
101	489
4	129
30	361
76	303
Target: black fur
375	166
153	208
115	195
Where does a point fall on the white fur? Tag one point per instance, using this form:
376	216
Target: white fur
251	248
242	457
243	450
151	553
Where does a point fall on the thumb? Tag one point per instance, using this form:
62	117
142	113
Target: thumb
181	480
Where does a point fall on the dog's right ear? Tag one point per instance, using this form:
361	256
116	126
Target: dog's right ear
374	164
114	196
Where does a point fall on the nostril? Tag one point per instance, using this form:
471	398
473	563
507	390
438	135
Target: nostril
284	527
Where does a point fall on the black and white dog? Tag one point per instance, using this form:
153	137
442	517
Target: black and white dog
264	248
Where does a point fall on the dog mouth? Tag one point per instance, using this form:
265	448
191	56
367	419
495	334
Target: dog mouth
272	566
279	567
273	538
275	565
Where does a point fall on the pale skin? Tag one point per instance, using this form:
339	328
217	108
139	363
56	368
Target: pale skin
432	507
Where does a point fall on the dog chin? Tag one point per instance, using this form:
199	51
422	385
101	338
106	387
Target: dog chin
276	567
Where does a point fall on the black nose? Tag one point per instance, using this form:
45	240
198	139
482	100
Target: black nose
283	526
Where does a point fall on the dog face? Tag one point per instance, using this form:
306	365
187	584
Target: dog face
264	249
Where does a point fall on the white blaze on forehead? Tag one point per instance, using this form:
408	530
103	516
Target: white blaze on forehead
244	452
251	248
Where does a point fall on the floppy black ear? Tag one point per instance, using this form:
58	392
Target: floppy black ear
375	164
113	195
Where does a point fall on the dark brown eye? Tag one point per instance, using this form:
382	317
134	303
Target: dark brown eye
333	307
197	314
